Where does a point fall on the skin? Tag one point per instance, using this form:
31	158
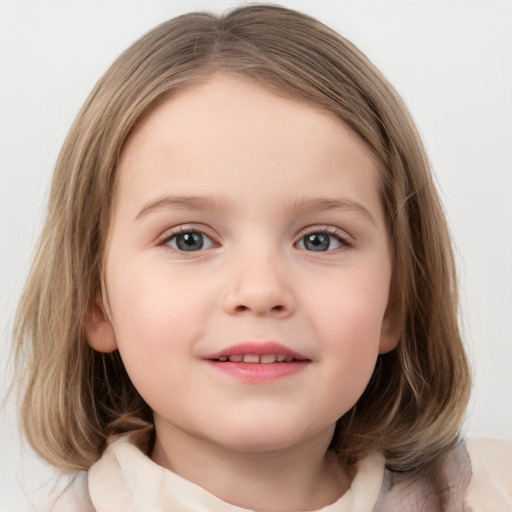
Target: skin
268	171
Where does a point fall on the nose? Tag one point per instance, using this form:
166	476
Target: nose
259	286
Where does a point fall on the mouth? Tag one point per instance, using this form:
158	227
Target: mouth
255	358
258	362
257	353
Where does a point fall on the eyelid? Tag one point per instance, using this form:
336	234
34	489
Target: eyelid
339	233
182	229
346	239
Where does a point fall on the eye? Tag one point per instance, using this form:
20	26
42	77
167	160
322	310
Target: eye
189	241
321	241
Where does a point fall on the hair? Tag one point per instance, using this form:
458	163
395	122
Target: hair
75	398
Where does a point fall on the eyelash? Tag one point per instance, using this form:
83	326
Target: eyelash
183	230
341	237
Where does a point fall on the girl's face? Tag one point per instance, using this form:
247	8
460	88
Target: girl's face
247	229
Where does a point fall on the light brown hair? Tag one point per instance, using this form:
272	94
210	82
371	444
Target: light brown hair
76	398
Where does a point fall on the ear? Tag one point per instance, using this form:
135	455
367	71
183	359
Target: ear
99	330
390	331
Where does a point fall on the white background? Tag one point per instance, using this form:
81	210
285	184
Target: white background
450	59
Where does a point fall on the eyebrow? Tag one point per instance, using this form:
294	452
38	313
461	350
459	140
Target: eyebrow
302	205
185	203
324	205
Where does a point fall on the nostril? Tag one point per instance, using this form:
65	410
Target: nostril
275	309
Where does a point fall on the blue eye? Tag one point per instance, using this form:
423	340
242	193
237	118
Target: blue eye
320	242
189	241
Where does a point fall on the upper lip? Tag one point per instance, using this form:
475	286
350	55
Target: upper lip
257	348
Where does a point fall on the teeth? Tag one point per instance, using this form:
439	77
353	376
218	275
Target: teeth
254	358
251	358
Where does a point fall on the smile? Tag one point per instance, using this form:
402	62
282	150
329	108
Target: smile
258	362
255	358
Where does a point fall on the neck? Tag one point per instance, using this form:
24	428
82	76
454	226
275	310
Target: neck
304	477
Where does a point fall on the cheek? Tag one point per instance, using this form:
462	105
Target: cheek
348	321
148	335
155	320
151	299
351	349
351	311
353	339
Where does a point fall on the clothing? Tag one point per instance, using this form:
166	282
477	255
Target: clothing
479	473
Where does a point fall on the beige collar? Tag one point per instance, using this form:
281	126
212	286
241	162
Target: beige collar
125	479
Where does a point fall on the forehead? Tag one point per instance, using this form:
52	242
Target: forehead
245	101
229	130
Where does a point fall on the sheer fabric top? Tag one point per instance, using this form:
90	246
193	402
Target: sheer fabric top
476	476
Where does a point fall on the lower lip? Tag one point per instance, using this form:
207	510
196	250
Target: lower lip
260	372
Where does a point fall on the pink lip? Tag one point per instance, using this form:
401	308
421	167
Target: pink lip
260	349
258	372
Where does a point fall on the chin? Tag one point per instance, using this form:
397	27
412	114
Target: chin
260	437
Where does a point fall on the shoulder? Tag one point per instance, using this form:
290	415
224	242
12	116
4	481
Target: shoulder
75	497
491	483
474	476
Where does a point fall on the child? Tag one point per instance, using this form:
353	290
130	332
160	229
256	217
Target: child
244	295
